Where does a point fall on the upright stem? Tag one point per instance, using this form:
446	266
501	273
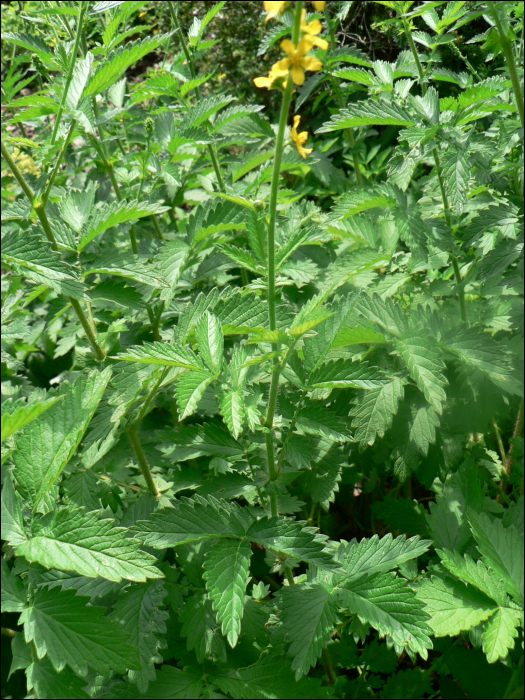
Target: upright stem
189	58
41	213
506	45
446	203
349	133
279	144
83	8
328	667
143	463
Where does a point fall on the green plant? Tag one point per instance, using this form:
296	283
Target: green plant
225	406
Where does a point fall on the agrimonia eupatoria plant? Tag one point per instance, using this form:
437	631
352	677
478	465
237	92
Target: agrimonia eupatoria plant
239	359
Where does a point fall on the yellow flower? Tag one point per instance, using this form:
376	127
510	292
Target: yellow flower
319	6
298	61
312	30
300	139
274	9
273	75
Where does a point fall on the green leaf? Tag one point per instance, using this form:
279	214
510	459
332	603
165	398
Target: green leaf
198	624
163	354
37	256
308	620
115	214
358	201
81	73
172	258
207	439
423	360
384	314
44	447
453	606
321	481
120	60
23	415
268	678
476	349
140	612
475	573
34	44
210	342
319	421
242	258
68	631
502	549
125	265
46	682
72	540
14	592
374	555
345	374
500	632
389	605
233	410
189	390
448	524
204	109
456	173
366	114
227	572
170	682
374	410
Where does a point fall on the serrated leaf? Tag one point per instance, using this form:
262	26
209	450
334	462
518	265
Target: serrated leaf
46	682
345	374
374	555
453	606
476	349
389	605
500	632
374	410
189	390
44	447
210	342
423	361
172	258
163	354
366	114
68	631
242	258
319	421
226	572
204	109
14	592
308	620
37	256
233	410
72	540
139	612
456	173
125	265
475	573
502	549
199	626
115	214
358	201
120	60
23	415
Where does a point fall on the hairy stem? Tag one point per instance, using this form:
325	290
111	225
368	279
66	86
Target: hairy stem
41	213
189	58
143	463
69	78
276	371
332	678
335	86
506	45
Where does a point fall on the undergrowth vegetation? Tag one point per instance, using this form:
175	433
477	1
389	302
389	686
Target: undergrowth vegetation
262	386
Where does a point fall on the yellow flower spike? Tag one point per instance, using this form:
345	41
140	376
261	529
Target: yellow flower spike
319	6
312	29
300	139
274	9
298	61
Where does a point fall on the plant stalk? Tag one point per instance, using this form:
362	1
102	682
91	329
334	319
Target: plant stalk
143	463
189	58
83	8
506	45
41	213
279	145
